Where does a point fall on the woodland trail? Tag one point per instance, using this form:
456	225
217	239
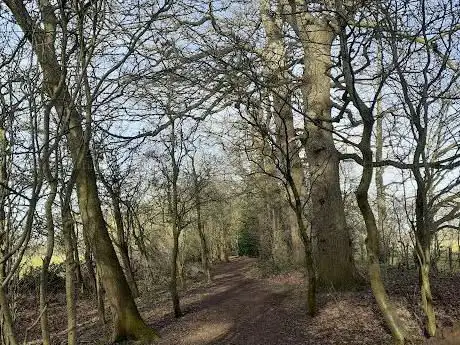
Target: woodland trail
237	309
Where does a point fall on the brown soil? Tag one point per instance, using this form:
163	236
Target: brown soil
242	308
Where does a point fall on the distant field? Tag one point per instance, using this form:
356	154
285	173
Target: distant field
36	260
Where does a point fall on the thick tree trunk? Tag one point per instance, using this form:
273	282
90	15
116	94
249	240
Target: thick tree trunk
291	166
328	215
128	323
277	83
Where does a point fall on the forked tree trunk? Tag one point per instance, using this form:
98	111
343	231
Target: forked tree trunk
128	323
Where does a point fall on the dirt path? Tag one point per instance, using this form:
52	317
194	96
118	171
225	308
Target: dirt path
236	309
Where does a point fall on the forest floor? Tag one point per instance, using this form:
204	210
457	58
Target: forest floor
241	307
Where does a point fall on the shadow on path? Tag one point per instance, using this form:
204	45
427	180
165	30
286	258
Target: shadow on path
236	309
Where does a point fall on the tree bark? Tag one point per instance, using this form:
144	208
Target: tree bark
128	323
173	279
8	334
328	224
199	223
70	268
380	189
328	215
372	242
122	245
45	265
52	181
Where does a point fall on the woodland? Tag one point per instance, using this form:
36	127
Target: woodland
240	172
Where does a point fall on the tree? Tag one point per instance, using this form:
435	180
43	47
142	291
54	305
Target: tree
42	36
312	27
198	185
413	97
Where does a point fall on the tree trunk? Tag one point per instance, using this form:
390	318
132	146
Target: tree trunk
427	299
392	321
78	273
89	266
52	178
204	250
199	223
8	335
328	215
381	207
100	297
122	244
46	263
70	268
173	278
378	289
309	264
128	323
